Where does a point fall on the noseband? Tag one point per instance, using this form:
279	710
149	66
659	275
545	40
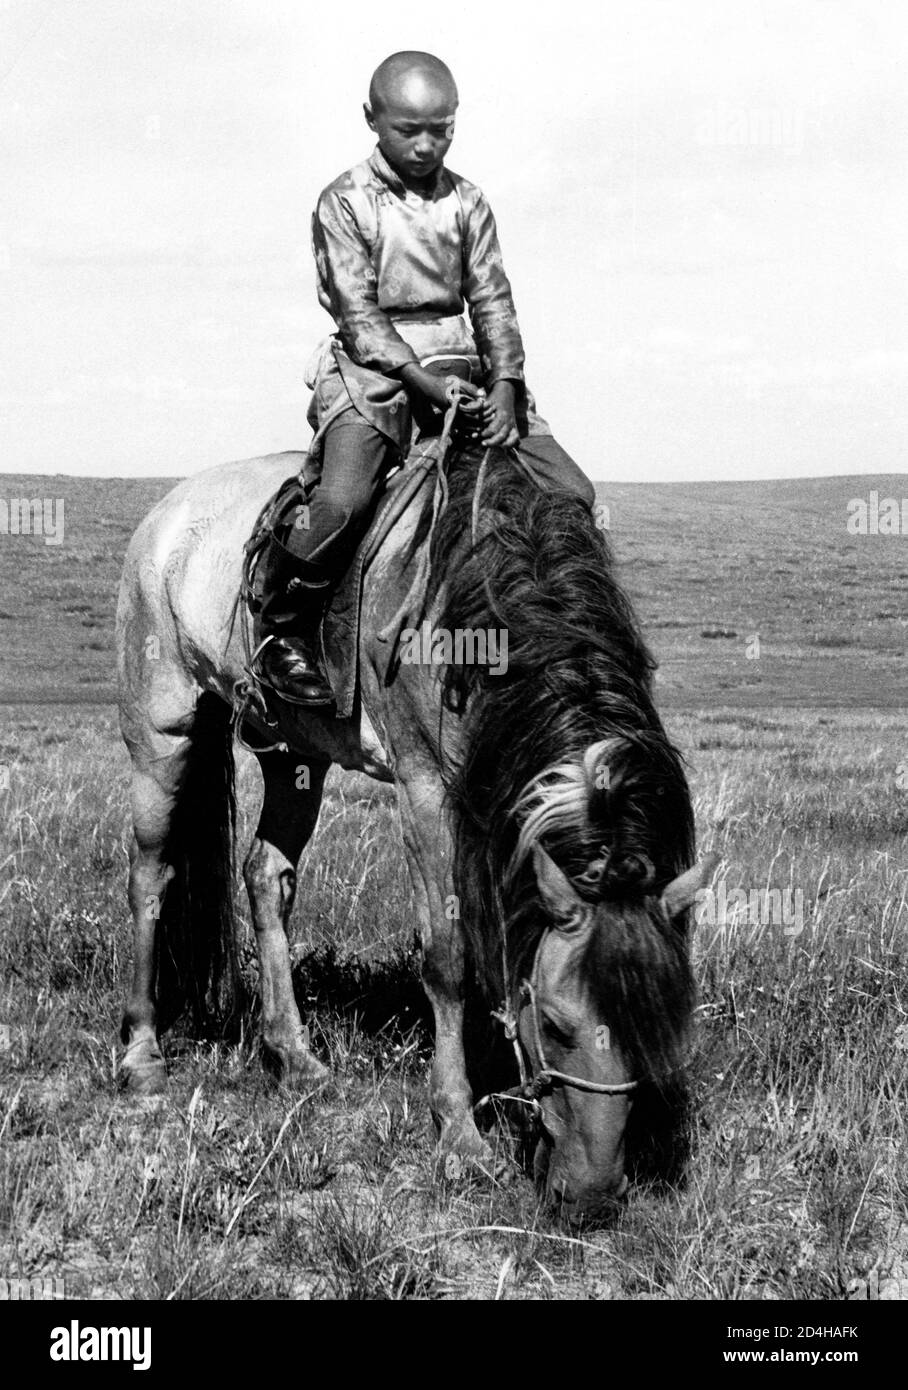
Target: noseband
544	1077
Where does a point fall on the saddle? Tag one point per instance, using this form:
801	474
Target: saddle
420	478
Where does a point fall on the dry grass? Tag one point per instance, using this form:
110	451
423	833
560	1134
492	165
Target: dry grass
795	1187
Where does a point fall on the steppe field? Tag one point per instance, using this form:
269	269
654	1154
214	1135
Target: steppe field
782	648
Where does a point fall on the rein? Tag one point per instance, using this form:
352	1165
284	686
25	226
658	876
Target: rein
415	598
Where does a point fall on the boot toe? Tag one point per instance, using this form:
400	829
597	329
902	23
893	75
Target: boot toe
291	670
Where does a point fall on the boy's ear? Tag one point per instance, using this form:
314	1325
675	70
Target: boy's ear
367	112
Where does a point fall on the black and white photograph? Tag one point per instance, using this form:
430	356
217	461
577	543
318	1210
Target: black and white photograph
454	665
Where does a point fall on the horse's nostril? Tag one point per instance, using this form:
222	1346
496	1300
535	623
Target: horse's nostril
594	1205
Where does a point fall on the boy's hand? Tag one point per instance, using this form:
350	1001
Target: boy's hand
499	422
434	388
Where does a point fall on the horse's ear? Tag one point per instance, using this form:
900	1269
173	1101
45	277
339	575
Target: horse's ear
556	889
682	891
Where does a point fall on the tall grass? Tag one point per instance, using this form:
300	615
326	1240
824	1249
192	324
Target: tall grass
795	1185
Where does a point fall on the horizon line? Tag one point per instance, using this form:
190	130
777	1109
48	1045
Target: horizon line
597	482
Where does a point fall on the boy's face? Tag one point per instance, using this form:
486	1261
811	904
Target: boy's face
415	127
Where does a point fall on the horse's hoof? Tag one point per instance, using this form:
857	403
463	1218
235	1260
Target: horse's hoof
298	1070
462	1149
144	1078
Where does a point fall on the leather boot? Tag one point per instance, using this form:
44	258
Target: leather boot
294	597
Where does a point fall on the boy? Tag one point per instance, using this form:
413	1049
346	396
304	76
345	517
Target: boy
400	245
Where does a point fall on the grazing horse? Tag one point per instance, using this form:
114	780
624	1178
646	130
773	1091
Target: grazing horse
546	817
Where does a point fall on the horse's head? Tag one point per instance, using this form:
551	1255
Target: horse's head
607	1001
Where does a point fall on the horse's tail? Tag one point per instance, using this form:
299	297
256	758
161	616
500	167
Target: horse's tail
196	958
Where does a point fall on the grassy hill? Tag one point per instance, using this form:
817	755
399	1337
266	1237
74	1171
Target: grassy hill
709	565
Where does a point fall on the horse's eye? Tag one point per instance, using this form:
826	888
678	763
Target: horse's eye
555	1033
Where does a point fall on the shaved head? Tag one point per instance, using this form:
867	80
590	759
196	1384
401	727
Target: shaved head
411	107
412	79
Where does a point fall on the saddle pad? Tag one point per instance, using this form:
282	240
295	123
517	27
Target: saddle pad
341	626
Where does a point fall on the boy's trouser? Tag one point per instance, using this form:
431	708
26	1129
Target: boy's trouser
355	460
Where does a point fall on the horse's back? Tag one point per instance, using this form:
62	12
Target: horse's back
223	500
182	570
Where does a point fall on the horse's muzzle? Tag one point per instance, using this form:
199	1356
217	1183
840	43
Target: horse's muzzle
589	1208
576	1203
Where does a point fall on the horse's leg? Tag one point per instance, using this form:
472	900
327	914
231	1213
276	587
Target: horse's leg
428	850
155	793
293	795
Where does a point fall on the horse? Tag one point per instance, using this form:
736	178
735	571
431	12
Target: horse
546	817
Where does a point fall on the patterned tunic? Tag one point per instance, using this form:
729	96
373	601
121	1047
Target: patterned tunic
395	271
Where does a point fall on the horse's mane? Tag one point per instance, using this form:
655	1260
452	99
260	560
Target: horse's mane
578	676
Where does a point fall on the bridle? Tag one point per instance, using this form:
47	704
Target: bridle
544	1077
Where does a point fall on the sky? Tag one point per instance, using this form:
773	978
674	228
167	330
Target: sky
703	209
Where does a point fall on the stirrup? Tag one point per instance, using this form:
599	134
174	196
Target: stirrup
259	676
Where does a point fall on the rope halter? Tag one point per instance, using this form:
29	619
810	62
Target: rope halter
545	1077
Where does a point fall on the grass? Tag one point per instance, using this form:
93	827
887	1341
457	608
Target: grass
796	1182
786	634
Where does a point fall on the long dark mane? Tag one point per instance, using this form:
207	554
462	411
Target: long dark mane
533	563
